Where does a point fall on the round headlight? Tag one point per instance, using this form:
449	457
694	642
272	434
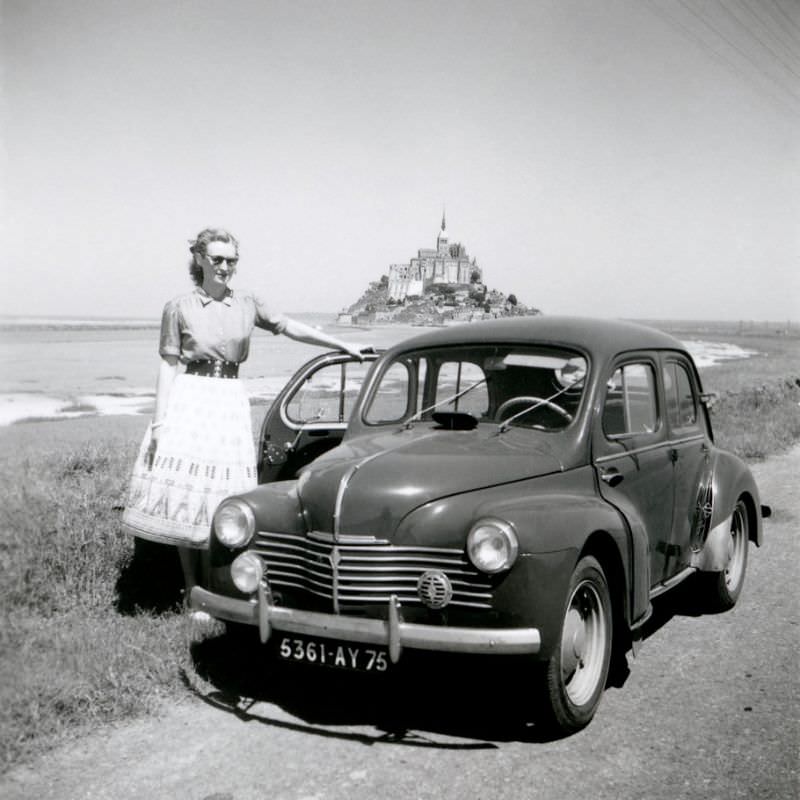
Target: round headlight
492	545
234	523
246	572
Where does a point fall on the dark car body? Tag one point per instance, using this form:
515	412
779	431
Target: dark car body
523	486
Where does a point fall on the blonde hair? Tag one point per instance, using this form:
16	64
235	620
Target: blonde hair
198	247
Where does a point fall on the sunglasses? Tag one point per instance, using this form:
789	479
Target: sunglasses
218	260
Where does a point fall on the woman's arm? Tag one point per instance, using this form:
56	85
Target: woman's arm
305	333
167	370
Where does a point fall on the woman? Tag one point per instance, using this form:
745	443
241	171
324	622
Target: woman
199	447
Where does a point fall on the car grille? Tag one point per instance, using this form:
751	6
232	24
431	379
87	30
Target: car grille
366	573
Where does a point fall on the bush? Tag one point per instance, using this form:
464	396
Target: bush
758	421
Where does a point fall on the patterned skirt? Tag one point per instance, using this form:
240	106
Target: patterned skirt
205	453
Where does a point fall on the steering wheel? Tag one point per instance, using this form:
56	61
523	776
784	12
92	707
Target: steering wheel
532	400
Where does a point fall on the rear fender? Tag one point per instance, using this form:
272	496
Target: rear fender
731	480
728	480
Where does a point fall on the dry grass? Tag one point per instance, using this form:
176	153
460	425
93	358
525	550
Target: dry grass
73	654
758	412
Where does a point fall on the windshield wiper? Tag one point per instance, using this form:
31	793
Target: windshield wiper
420	414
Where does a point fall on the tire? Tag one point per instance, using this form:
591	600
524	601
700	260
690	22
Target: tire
575	675
721	590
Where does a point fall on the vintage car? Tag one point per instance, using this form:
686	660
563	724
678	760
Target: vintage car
521	487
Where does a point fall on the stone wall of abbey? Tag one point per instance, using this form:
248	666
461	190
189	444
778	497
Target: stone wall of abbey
446	265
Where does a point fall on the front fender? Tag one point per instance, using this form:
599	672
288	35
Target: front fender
276	507
551	514
553	522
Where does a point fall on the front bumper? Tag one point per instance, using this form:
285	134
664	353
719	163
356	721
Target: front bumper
393	632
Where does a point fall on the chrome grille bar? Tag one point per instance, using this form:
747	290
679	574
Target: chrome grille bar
366	573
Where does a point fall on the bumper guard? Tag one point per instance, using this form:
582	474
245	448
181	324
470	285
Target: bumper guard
393	633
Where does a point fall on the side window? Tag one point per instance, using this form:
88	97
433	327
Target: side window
680	396
354	374
390	402
463	376
328	394
630	405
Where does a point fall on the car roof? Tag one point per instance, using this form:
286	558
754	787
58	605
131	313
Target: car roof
601	338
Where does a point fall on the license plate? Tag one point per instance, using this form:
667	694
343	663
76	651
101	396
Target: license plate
333	654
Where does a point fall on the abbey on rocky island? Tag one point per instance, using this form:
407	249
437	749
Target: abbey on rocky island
448	264
439	286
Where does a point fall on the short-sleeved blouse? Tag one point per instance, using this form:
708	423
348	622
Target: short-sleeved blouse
194	326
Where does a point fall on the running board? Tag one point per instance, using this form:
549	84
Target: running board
672	582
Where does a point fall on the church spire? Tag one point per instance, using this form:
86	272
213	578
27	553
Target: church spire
441	239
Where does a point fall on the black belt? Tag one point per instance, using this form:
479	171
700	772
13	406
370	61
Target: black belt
213	369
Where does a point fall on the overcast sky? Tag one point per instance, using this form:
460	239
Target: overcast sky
624	158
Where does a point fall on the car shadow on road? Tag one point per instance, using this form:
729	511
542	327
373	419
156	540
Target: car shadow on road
685	600
427	700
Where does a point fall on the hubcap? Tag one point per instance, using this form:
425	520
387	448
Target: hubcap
738	544
583	643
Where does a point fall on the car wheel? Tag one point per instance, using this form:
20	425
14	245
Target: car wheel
722	589
576	673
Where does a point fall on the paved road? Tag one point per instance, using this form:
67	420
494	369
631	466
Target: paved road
709	710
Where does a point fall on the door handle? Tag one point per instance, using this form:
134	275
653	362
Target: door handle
611	476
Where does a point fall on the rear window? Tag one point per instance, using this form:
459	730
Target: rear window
680	396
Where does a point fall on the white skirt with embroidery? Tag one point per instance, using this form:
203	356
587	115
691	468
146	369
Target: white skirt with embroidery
205	453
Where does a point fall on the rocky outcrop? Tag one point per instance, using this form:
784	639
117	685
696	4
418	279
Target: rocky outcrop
439	304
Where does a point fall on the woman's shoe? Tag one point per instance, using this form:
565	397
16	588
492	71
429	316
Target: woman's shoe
201	624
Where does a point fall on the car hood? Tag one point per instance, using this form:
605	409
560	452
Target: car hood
367	485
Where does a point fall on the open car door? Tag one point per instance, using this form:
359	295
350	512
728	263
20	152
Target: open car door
310	415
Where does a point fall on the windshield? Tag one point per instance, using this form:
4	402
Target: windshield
509	385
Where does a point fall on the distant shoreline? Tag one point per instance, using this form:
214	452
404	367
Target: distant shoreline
745	327
23	322
56	323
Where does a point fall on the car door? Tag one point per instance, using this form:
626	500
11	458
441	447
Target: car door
631	455
688	438
310	414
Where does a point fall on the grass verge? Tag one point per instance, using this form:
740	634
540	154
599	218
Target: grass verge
758	410
77	648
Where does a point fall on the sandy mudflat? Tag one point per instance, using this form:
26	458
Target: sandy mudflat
72	433
122	429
